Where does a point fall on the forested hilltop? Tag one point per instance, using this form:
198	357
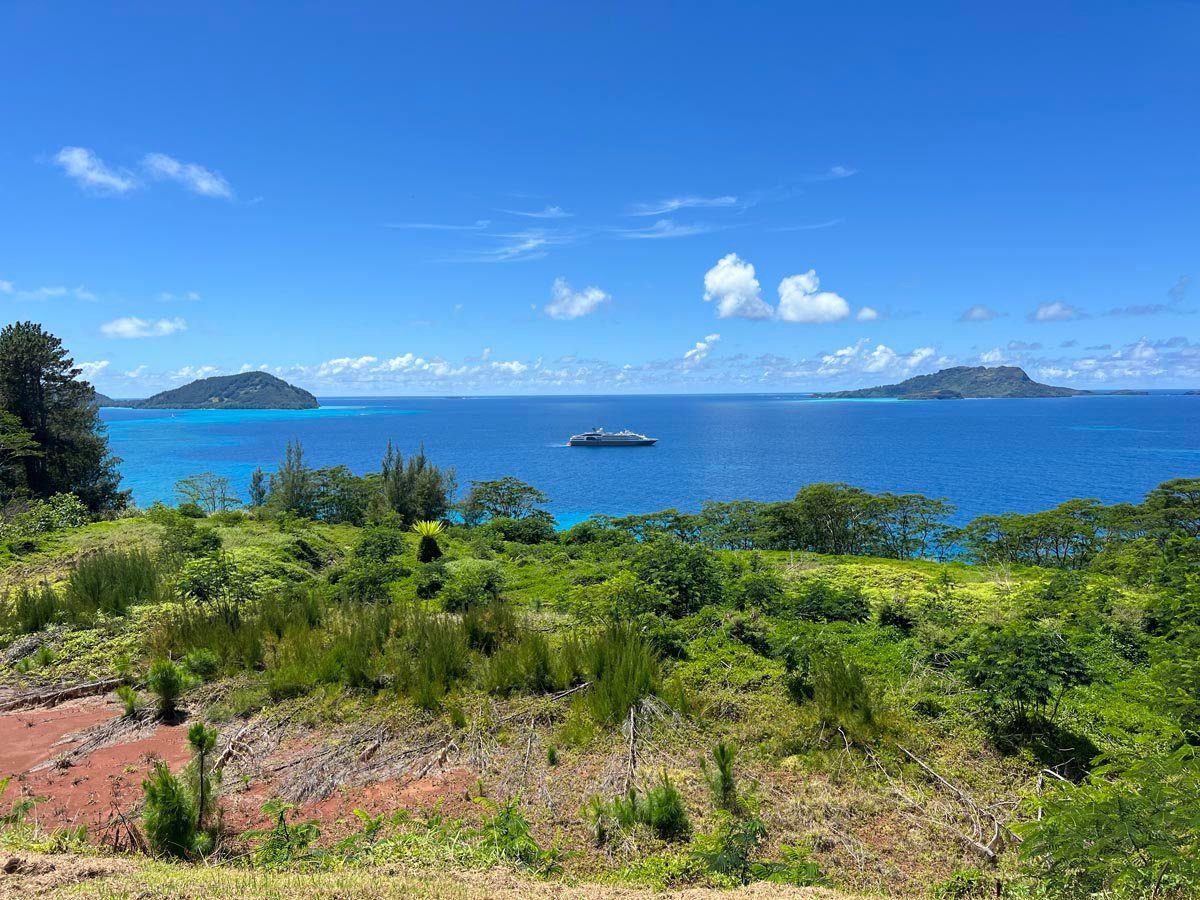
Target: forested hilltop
389	685
247	390
963	382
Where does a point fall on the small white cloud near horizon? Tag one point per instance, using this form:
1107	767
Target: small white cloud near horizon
91	173
195	178
700	351
801	300
867	314
130	327
991	357
1058	311
737	293
673	204
569	304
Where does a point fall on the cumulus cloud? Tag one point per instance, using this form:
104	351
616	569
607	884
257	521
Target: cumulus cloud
191	373
978	313
129	327
862	358
801	300
90	370
700	351
991	357
195	178
867	314
732	286
673	204
91	173
1058	311
571	304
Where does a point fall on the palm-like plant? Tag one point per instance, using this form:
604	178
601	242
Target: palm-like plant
428	550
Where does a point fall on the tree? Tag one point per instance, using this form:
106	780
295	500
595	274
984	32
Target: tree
258	488
293	489
169	815
1023	670
428	549
166	682
16	443
202	740
40	388
211	492
688	575
416	490
504	498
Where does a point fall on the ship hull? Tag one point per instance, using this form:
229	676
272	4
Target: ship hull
647	442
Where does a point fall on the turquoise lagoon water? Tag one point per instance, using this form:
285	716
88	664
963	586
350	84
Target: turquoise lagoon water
983	455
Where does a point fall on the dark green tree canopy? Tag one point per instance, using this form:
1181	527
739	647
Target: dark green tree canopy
51	407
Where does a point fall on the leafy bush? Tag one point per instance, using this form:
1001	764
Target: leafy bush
688	575
202	663
1123	833
622	598
34	517
818	600
729	849
471	582
431	578
535	528
507	838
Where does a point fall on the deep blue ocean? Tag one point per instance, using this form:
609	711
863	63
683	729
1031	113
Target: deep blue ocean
982	455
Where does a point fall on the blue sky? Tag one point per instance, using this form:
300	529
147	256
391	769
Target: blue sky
571	198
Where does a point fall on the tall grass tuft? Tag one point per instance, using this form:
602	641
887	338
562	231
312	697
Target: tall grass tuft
622	668
31	610
111	581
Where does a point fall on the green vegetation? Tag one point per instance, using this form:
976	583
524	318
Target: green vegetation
247	390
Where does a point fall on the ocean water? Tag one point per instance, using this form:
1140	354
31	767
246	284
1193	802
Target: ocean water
983	455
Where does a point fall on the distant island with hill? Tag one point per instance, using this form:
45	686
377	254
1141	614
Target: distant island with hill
967	383
247	390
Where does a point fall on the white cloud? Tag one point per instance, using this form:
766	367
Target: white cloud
801	300
549	212
91	173
663	228
192	373
570	304
168	297
1057	311
195	178
731	283
700	351
862	358
434	226
978	313
676	203
842	172
52	293
344	364
90	370
867	314
136	372
991	357
6	287
133	327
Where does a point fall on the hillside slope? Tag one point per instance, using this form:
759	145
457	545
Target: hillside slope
961	382
248	390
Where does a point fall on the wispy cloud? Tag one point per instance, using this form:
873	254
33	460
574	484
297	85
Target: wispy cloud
188	296
1057	311
192	176
47	293
479	225
92	174
815	226
1180	288
519	246
673	204
833	173
549	212
129	327
571	304
664	228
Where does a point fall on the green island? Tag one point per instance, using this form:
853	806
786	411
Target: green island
967	383
327	684
246	390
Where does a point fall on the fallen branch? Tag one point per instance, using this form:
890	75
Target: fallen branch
56	695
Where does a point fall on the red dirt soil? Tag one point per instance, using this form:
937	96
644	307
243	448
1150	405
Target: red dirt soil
86	792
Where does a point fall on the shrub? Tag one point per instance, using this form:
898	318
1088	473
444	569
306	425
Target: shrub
687	574
434	657
471	582
169	814
507	838
165	681
525	665
488	627
32	609
430	580
622	598
721	780
380	543
22	521
665	812
729	849
820	601
840	691
535	528
129	699
896	614
203	663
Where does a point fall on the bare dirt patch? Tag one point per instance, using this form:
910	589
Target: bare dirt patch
36	735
